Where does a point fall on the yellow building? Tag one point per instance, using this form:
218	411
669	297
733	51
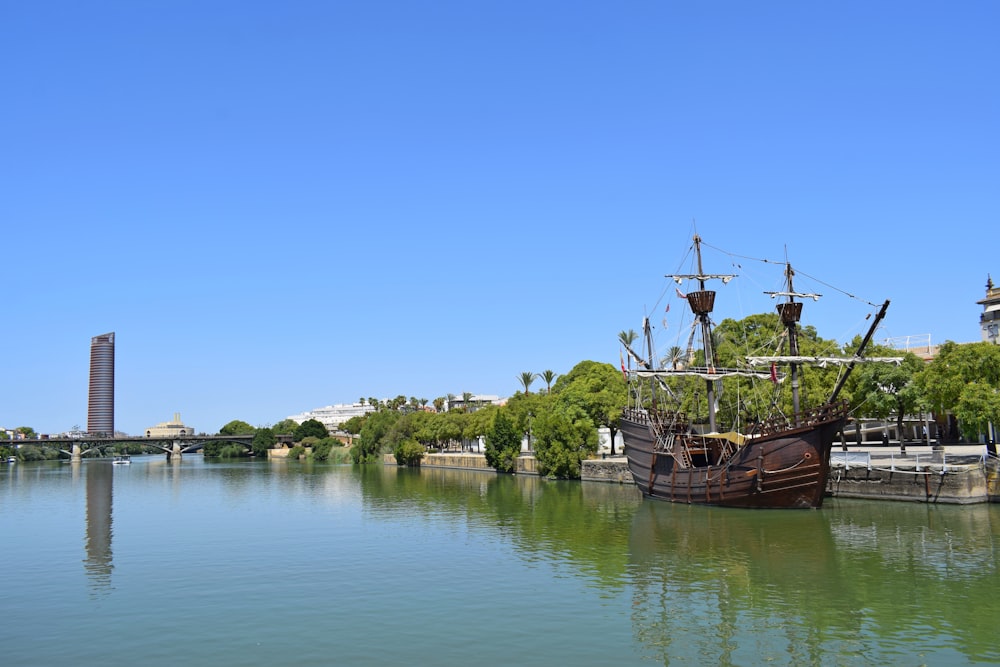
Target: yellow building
169	429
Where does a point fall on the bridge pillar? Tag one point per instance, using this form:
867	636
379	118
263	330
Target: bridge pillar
175	453
76	452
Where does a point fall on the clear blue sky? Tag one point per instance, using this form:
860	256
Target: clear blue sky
278	206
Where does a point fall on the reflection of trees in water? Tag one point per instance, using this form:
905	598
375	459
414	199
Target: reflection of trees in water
858	582
854	579
98	564
584	525
933	566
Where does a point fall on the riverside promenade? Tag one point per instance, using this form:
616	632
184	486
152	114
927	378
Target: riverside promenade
949	474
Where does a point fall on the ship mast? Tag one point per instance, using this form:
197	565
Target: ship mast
702	302
791	312
859	353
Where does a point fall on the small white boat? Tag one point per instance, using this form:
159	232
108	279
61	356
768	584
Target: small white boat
11	459
122	460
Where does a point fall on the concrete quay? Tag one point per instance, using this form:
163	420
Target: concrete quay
610	469
952	474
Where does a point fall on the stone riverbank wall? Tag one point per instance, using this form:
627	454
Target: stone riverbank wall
595	470
933	477
927	477
467	461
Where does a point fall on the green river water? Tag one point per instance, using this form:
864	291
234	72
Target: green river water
287	563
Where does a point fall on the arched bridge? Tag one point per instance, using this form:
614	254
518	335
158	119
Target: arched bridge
173	445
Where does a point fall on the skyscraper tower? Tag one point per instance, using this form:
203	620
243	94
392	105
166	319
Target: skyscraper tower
101	402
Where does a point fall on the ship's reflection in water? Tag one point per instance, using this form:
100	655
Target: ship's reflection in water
98	562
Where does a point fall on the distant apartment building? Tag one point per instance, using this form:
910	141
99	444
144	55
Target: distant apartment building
169	429
332	416
472	402
101	398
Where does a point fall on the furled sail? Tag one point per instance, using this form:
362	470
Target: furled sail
820	361
706	373
679	279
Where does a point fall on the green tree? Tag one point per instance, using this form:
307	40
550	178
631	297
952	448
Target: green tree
237	427
285	427
947	382
978	407
372	440
563	437
523	408
627	339
310	427
548	377
354	424
503	443
321	448
741	403
526	378
449	427
884	389
408	452
27	431
263	440
955	366
674	357
597	389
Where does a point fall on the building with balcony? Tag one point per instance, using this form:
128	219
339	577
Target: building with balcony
332	416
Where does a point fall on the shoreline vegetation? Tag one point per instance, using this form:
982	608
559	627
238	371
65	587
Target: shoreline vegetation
954	396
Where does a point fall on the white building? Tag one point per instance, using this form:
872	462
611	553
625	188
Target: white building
332	416
989	321
475	402
168	429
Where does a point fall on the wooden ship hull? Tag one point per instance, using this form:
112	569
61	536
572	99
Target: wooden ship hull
780	468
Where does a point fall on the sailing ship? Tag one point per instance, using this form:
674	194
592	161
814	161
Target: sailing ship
782	462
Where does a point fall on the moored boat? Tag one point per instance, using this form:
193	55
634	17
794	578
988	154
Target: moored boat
122	460
780	461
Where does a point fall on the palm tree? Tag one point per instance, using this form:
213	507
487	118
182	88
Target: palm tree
548	377
626	338
674	356
526	379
